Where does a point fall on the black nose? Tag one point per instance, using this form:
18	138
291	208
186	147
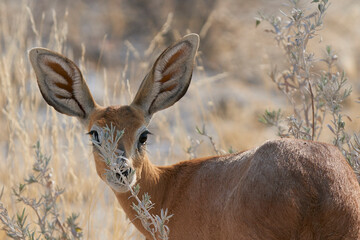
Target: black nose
124	173
118	175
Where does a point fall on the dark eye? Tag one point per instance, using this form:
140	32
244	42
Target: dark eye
94	135
143	137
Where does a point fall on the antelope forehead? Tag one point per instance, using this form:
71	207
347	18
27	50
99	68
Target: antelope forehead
123	118
127	116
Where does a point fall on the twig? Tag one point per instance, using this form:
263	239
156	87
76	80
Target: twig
313	111
212	142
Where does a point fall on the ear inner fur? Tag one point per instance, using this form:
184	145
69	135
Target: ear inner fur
57	89
60	71
61	83
179	54
68	87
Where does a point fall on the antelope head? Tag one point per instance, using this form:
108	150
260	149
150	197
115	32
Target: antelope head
63	87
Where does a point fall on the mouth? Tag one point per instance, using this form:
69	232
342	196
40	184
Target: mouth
121	179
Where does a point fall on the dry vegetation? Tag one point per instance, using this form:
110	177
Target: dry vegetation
114	44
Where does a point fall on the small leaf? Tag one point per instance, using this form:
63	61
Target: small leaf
331	129
341	124
21	187
328	49
257	23
21	218
262	120
197	129
136	189
231	150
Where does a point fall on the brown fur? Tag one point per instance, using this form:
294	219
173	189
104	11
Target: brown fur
283	189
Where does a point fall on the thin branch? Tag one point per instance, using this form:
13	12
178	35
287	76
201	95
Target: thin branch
313	111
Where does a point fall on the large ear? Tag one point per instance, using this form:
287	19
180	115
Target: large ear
169	77
61	83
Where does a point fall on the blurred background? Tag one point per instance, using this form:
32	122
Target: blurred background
115	43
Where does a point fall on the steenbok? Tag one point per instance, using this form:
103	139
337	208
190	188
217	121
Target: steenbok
283	189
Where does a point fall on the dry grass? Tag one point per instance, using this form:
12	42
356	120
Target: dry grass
114	43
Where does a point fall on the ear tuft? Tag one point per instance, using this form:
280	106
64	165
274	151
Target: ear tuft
61	83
